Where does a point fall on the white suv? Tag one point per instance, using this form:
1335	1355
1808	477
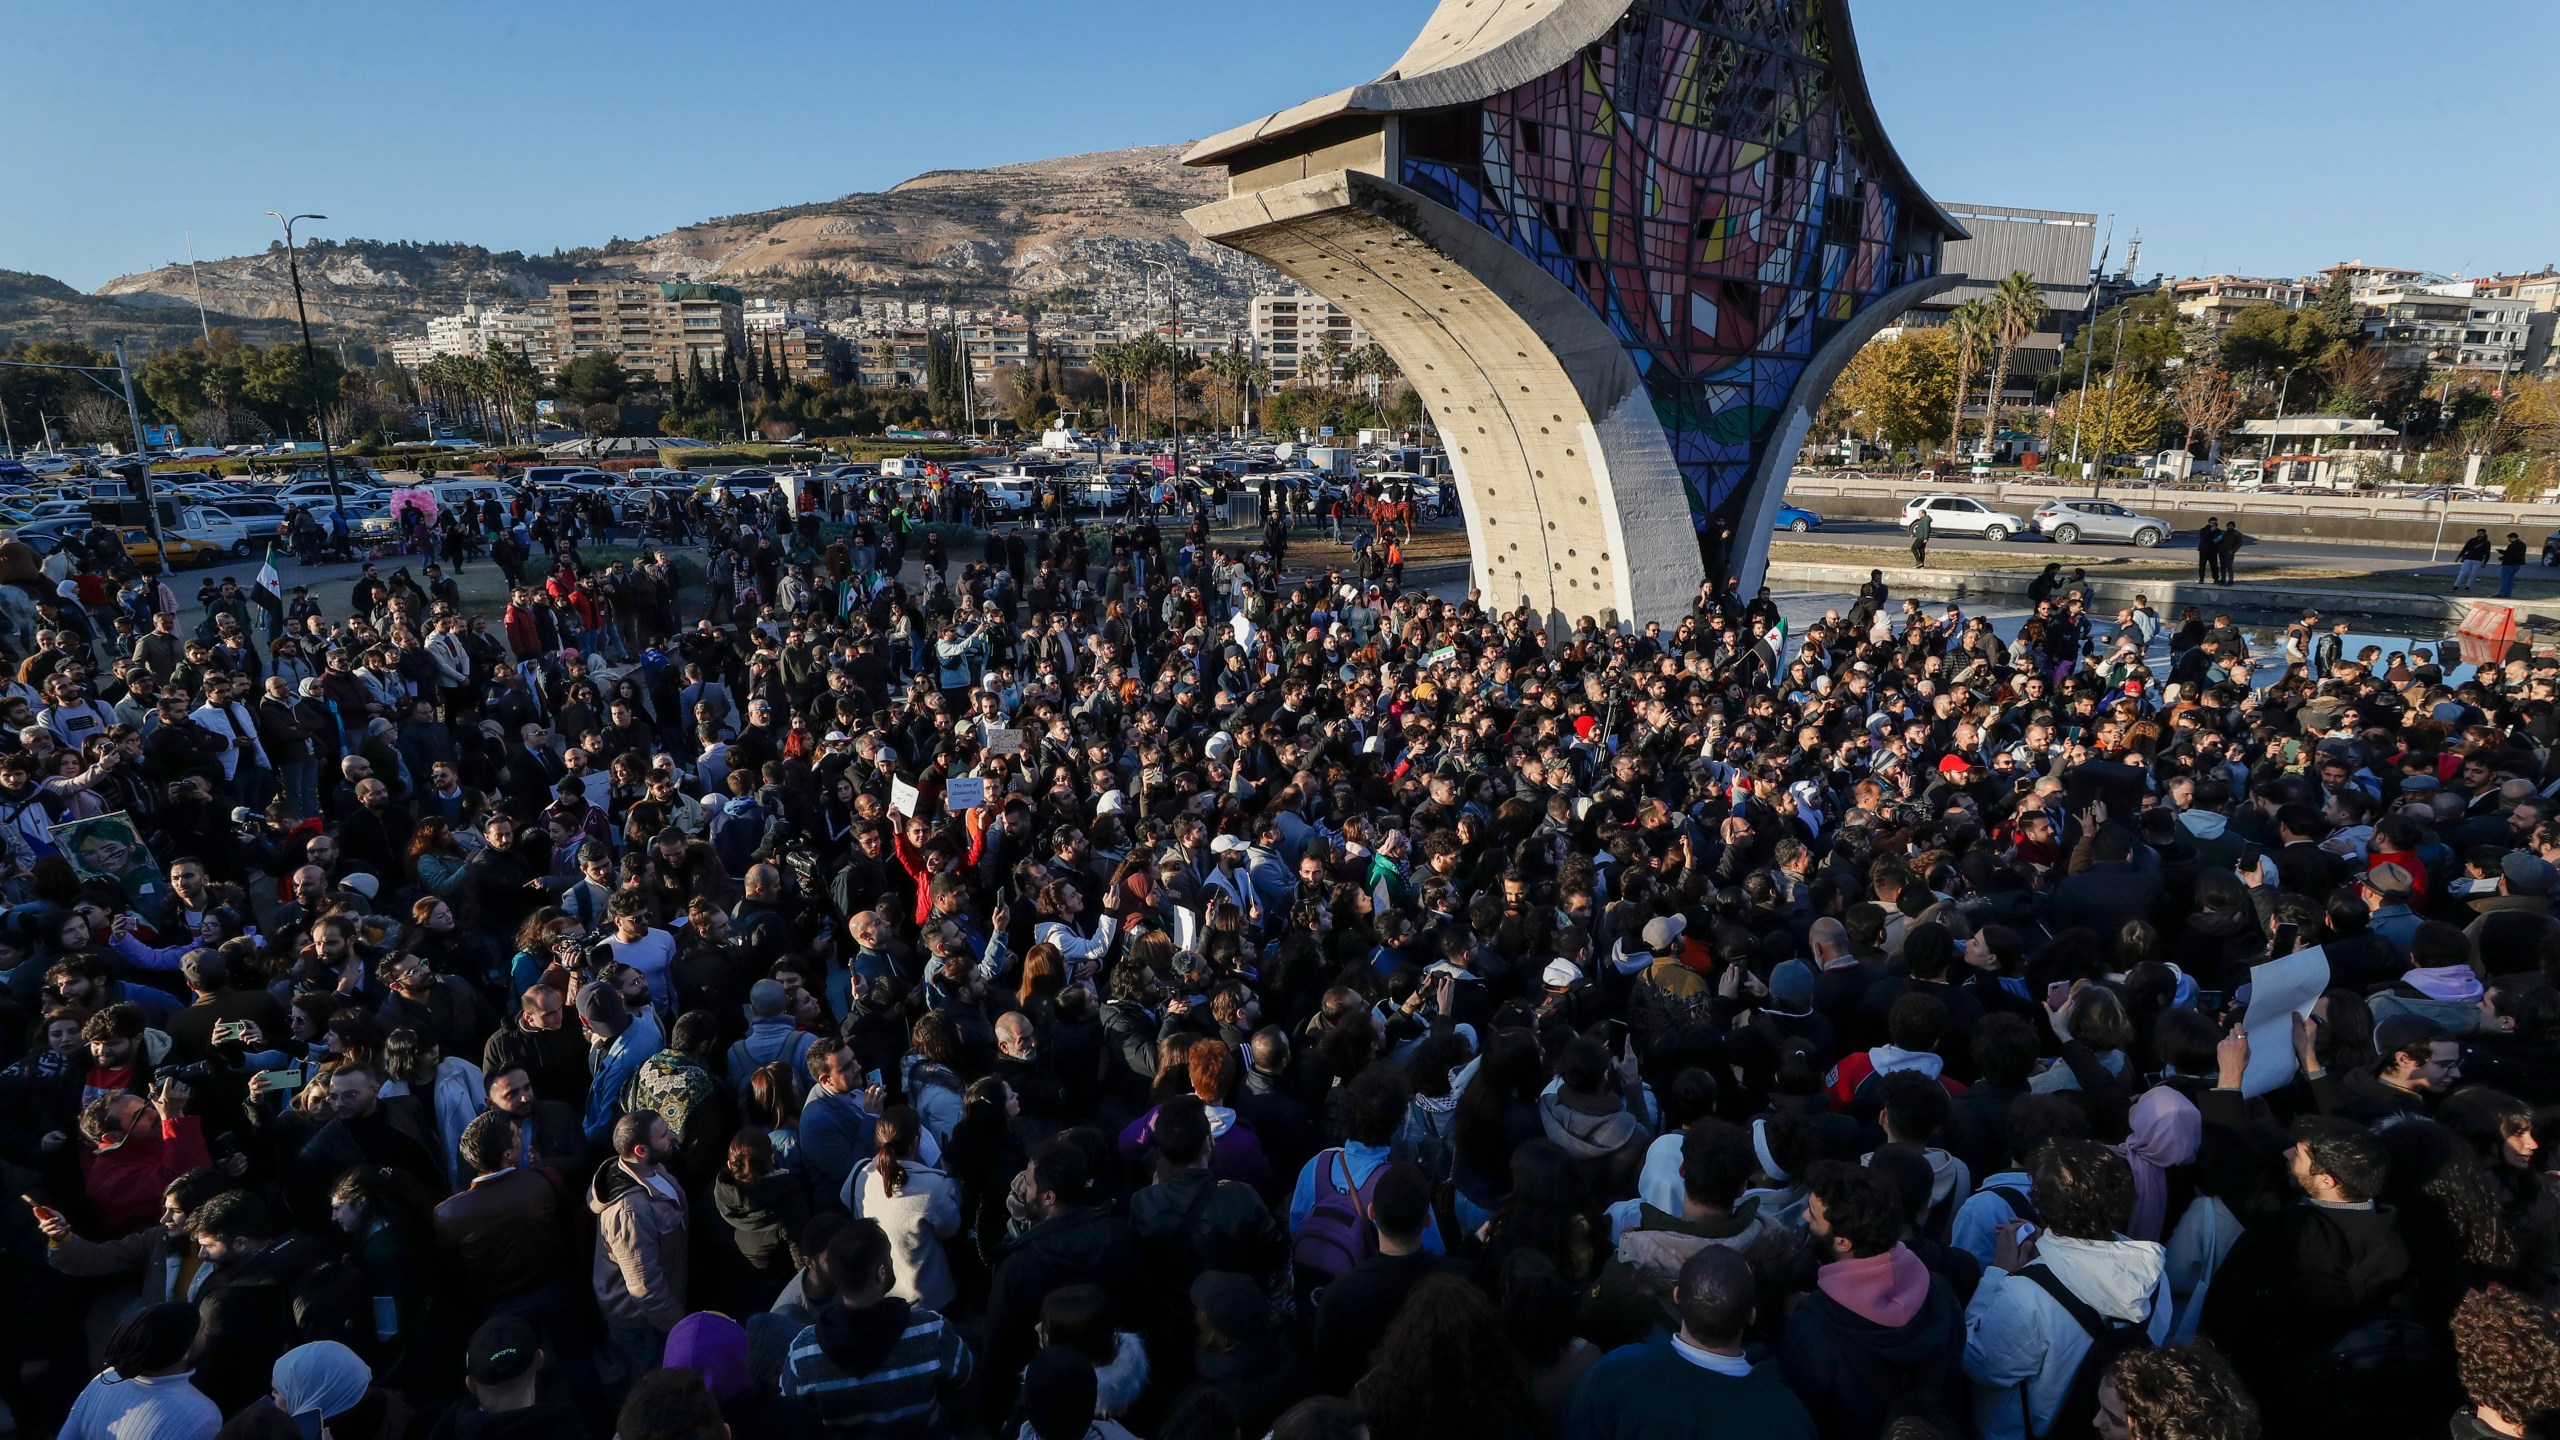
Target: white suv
1962	515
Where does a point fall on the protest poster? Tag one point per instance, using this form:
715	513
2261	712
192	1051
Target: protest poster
1004	742
964	792
2279	990
107	847
902	797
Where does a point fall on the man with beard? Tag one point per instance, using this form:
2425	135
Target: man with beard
640	1264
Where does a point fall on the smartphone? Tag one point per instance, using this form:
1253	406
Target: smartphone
2250	856
280	1081
2211	1000
2286	936
1617	1041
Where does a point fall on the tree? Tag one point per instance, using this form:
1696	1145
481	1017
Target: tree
594	378
2017	308
2123	420
2207	403
2266	340
1970	326
284	390
1901	391
2150	341
1328	358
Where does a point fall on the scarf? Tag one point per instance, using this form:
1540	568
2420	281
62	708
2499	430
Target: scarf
2167	1131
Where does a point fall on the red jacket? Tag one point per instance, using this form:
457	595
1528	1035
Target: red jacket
524	634
1857	1068
124	1184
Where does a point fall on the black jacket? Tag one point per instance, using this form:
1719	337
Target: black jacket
247	1313
1855	1375
1087	1245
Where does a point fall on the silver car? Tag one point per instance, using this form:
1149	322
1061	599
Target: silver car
2067	522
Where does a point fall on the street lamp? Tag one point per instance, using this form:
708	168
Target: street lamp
1173	288
311	364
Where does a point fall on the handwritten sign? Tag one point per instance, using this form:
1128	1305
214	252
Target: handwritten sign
964	792
1242	625
902	797
1004	742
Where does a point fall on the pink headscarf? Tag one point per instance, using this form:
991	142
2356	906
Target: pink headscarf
2167	1131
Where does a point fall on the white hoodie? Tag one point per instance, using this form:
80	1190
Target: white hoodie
2015	1334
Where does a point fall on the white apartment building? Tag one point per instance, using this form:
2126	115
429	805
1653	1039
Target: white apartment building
2216	300
1287	329
2448	324
469	331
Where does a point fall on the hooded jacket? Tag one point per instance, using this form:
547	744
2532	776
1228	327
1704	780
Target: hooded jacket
762	1216
641	1256
1597	1131
1235	1153
1879	1337
2018	1337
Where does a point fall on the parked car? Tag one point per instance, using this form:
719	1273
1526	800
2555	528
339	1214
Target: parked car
173	549
208	526
1799	520
1962	515
2068	522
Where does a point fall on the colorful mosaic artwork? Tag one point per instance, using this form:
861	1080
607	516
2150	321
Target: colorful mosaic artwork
1694	178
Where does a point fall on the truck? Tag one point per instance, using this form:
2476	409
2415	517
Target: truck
1338	461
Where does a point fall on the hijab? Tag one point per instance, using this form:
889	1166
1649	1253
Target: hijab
2167	1132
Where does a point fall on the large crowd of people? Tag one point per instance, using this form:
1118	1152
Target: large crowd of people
843	977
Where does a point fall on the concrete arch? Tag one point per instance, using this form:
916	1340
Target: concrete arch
1622	248
1572	499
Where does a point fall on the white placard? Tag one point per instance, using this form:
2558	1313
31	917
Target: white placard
902	797
1004	742
964	792
1186	928
2279	990
1242	625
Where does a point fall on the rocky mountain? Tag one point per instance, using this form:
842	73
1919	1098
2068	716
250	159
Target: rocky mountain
39	307
1076	232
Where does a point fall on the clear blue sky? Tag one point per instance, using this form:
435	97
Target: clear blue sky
2256	136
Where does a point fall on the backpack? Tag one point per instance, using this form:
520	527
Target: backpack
1337	1233
2108	1338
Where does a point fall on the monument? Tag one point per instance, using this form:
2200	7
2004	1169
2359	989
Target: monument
1622	248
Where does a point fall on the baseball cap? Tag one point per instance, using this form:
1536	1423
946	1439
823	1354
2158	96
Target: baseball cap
1954	763
1561	975
1225	843
1664	931
502	1349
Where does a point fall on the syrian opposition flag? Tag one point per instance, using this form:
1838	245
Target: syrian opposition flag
269	583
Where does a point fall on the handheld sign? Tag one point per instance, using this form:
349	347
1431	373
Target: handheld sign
964	792
902	797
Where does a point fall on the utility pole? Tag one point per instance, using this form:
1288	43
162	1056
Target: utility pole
311	363
141	466
2086	343
201	322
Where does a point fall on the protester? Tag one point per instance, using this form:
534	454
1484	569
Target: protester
1388	1016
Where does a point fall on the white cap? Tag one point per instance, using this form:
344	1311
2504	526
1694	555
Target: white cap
1111	803
1225	843
1561	975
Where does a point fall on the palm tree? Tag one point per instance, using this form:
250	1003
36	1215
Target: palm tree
1970	323
1329	361
2017	308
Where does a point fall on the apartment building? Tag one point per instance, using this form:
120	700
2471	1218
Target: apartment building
804	351
892	357
652	328
470	330
2214	301
2541	290
1287	329
2447	324
992	344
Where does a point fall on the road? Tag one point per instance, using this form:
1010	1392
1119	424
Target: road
2362	559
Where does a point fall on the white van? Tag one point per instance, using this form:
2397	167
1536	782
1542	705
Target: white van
453	494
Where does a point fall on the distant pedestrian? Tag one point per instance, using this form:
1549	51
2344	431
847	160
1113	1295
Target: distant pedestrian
2209	551
2510	563
2227	551
1920	539
2475	553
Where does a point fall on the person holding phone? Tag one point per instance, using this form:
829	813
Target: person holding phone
137	1145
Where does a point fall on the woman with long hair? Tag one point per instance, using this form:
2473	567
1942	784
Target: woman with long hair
1448	1370
917	1205
764	1203
930	1073
1498	1111
1549	1210
770	1101
1044	974
2499	1128
2450	1212
436	861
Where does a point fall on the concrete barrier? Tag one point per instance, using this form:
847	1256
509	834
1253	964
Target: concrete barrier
2107	595
2344	517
